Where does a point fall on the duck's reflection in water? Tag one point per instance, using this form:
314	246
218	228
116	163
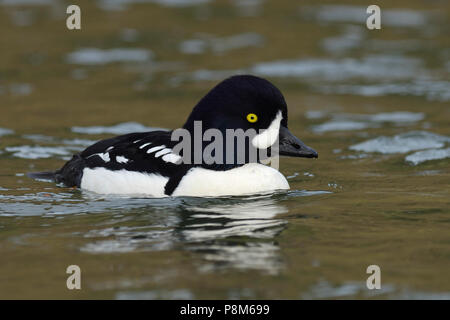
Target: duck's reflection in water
238	235
227	232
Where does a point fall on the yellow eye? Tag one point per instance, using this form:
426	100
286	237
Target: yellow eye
251	117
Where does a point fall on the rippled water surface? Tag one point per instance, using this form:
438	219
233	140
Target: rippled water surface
375	104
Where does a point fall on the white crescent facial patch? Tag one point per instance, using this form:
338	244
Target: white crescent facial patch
268	137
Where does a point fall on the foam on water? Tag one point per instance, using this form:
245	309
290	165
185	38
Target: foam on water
402	143
427	155
37	152
65	203
17	89
78	142
94	56
387	74
375	68
221	45
315	114
397	117
324	290
121	128
349	121
72	144
4	131
357	14
39	138
53	147
351	38
355	37
248	8
431	89
119	5
343	125
372	67
61	148
179	294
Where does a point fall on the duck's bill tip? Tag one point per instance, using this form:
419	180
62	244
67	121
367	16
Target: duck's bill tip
291	146
311	154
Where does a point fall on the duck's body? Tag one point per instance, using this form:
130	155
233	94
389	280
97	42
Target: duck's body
145	163
250	178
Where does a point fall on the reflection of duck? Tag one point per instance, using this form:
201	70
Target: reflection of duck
252	216
145	163
233	232
238	235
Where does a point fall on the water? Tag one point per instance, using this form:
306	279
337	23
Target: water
93	56
220	45
373	103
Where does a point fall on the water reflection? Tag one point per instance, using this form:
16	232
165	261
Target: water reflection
227	232
236	232
326	290
238	235
249	216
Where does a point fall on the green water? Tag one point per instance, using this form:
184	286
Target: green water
345	211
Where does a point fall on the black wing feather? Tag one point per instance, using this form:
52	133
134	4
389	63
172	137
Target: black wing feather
129	146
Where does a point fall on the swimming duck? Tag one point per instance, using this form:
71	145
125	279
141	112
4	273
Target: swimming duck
147	163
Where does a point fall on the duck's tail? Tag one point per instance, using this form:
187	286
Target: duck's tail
46	175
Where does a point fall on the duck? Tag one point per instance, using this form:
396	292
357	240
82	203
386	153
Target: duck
153	163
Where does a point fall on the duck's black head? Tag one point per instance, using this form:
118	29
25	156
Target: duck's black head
249	102
229	103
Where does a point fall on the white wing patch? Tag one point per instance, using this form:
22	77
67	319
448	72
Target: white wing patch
144	145
104	156
162	152
122	159
155	149
166	154
172	157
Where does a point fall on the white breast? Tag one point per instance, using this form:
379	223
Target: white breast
198	182
247	179
106	181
